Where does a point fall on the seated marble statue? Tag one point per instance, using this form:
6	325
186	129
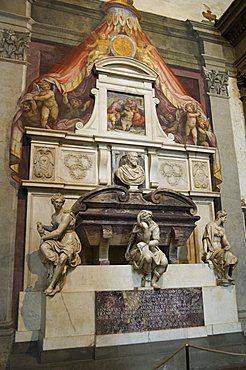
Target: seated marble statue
143	251
217	249
60	247
130	173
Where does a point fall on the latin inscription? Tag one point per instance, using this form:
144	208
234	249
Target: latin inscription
141	310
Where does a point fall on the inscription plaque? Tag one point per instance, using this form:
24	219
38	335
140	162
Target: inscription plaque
141	310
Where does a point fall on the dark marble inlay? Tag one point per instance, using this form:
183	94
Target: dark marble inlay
141	310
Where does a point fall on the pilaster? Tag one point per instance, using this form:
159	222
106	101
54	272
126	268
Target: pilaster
217	69
15	28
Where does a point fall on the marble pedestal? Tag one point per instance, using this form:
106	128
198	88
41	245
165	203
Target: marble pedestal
67	320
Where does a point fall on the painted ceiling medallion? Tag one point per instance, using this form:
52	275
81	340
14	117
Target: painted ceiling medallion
122	45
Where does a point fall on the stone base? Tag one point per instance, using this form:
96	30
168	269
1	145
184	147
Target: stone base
67	320
26	356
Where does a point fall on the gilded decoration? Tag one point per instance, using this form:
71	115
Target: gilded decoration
122	45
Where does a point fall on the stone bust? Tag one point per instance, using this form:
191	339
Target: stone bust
130	172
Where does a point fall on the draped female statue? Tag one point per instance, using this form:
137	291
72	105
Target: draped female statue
60	247
217	251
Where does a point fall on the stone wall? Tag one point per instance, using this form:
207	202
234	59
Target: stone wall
186	45
178	9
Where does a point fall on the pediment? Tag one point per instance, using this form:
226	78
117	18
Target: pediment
125	66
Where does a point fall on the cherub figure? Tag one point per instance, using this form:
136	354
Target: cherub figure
47	101
202	127
101	45
191	120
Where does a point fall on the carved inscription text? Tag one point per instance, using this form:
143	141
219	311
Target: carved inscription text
144	310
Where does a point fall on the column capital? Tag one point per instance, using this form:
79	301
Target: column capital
13	45
217	82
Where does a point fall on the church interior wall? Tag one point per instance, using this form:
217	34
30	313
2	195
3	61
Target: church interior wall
57	28
177	10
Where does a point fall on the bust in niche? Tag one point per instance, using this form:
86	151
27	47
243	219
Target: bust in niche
130	172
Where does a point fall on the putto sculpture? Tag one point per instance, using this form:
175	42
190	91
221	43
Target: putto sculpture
143	251
217	249
60	247
130	172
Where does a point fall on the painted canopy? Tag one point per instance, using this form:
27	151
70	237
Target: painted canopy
60	98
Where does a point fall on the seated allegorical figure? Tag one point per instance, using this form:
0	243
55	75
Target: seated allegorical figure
143	251
60	247
131	173
217	249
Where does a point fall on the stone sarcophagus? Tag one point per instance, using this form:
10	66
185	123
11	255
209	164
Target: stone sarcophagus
105	217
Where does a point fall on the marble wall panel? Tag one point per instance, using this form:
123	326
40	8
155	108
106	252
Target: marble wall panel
200	175
205	209
78	166
173	174
74	317
43	163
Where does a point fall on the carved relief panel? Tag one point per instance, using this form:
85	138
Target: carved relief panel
43	163
200	174
78	166
173	174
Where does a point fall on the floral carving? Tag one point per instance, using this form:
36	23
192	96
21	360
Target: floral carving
43	163
217	82
13	44
172	171
200	175
78	165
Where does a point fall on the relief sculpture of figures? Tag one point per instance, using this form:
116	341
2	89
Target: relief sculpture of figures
143	251
60	247
130	172
217	250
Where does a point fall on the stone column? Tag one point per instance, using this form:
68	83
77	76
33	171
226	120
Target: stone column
15	29
217	61
241	82
230	189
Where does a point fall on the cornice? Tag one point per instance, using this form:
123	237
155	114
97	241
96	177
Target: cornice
51	33
232	24
91	8
15	21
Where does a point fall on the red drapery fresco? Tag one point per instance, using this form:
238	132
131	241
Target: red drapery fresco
61	98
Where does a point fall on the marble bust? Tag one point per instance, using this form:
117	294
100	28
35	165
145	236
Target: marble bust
130	172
